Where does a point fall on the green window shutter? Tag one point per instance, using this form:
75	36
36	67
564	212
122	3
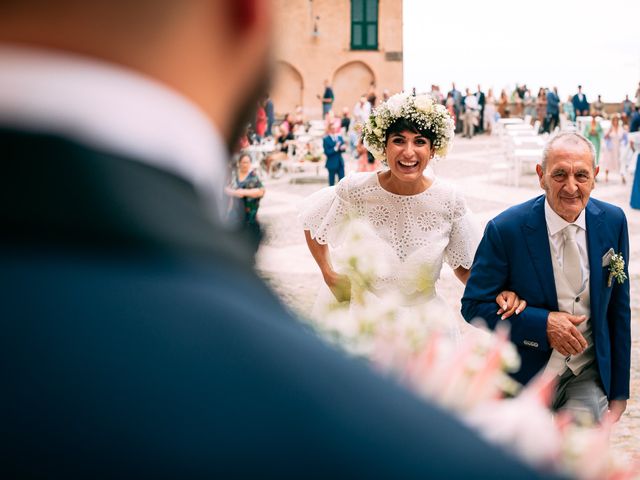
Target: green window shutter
364	24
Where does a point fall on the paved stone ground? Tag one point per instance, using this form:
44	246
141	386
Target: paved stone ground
473	165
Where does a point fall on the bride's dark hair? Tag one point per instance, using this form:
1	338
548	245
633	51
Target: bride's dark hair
403	124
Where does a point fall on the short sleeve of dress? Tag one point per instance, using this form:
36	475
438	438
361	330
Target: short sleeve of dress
465	235
326	213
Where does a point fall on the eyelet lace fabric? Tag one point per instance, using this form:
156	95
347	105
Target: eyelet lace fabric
412	234
430	227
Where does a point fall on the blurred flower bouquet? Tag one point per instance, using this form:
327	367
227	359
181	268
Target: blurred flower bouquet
469	377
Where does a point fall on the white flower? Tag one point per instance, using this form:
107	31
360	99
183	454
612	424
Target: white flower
423	103
395	103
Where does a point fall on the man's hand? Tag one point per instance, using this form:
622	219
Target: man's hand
563	334
509	303
616	409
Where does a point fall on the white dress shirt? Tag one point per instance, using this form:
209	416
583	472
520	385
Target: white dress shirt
555	226
110	107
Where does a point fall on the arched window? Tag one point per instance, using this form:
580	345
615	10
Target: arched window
364	24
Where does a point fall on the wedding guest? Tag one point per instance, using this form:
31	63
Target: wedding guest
626	107
271	116
541	107
286	126
361	110
517	102
471	108
450	105
612	152
580	103
567	109
243	140
480	96
634	122
553	110
435	93
490	111
371	94
284	140
593	131
245	191
503	105
334	146
345	121
638	96
634	142
529	105
326	99
366	161
457	106
261	121
598	107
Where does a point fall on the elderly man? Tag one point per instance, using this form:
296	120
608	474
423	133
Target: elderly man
136	341
556	252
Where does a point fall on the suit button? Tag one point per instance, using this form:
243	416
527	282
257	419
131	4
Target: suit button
577	299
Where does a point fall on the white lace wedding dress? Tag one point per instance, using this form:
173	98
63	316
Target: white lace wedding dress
411	234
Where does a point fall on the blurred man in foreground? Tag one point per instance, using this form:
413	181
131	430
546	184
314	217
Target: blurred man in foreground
128	346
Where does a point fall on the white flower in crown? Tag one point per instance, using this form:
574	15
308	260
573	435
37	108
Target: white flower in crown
396	102
424	103
420	110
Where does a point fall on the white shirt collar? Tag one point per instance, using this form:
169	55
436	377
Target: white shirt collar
555	223
113	108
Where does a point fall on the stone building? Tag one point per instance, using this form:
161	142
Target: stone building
350	43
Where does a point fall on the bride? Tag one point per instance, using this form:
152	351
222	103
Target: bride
415	222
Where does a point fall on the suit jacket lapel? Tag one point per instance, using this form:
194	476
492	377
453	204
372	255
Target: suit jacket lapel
537	240
595	242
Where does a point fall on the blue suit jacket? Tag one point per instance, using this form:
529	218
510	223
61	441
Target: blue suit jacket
580	105
137	342
334	159
514	255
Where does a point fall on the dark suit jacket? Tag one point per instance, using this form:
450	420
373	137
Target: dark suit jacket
334	158
578	104
138	342
481	99
514	255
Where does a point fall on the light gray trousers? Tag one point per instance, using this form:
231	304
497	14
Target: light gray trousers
582	395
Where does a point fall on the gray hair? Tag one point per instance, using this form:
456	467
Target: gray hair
573	137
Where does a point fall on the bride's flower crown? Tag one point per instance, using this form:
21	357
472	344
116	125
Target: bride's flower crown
420	110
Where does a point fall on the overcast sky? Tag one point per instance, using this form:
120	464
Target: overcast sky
499	43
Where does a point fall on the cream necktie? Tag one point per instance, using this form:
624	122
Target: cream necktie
571	258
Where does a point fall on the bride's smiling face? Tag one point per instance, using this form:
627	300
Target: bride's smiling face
408	154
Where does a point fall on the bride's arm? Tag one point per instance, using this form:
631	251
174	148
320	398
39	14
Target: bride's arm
462	274
338	284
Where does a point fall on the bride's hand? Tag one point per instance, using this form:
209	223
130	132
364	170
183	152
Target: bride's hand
509	303
340	285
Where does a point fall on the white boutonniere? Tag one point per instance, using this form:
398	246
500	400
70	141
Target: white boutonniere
616	269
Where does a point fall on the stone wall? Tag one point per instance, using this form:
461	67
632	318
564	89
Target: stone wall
313	39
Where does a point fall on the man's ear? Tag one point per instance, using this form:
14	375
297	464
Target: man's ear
540	173
243	14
